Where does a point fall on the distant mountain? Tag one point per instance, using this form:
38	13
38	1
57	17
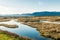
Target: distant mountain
44	14
33	14
11	15
15	15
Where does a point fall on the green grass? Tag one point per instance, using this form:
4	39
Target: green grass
4	35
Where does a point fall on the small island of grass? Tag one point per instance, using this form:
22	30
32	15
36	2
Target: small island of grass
9	25
3	19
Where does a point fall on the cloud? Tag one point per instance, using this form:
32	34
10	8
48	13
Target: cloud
7	10
11	10
40	3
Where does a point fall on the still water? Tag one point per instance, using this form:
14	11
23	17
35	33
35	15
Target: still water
23	30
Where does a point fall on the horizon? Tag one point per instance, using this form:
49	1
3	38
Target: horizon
29	13
28	6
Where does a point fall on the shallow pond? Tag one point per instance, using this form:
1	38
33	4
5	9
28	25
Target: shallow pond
23	30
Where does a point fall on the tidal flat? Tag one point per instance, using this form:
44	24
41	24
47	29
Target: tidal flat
49	30
3	21
6	35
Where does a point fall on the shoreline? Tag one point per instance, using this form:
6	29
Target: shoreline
13	35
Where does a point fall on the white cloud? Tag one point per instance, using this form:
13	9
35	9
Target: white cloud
40	3
11	10
6	10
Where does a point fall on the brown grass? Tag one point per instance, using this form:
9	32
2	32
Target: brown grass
46	29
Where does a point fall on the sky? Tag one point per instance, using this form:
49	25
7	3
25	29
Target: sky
28	6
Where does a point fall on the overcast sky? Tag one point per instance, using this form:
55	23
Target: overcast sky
28	6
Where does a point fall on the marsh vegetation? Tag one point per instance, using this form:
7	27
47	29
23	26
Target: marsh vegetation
49	30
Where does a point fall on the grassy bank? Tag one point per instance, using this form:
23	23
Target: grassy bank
4	35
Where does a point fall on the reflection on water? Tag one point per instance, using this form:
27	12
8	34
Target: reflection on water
23	30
